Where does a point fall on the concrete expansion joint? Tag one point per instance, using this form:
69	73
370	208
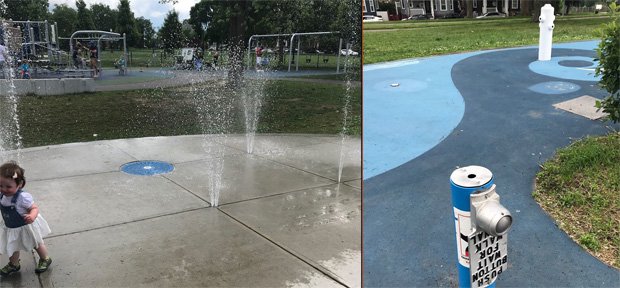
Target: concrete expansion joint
281	193
299	169
186	189
75	176
128	222
311	263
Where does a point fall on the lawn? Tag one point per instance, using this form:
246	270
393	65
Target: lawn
157	58
579	188
408	39
289	107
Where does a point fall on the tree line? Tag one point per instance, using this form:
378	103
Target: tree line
211	21
120	19
229	22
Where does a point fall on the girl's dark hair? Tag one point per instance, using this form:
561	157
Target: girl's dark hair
11	170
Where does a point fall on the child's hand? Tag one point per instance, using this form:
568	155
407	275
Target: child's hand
29	219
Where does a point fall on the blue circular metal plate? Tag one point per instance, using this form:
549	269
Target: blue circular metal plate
554	87
147	168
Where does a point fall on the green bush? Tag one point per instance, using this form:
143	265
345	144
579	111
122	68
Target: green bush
609	65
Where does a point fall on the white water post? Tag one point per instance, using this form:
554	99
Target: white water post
546	32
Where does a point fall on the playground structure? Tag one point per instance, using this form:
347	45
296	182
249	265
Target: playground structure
191	59
38	43
314	56
97	35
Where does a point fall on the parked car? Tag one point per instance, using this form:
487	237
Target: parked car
453	15
417	17
344	52
372	18
491	15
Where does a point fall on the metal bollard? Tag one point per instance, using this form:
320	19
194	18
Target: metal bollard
546	32
480	223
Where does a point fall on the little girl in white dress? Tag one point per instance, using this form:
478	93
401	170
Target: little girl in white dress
24	228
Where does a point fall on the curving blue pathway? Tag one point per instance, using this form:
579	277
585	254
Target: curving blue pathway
505	122
416	106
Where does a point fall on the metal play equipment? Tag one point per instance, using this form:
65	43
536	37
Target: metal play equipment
96	35
36	41
291	48
481	224
546	32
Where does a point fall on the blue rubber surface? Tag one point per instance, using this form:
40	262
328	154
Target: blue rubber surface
412	116
554	68
147	168
554	87
506	127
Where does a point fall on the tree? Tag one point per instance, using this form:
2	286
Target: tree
201	19
66	18
470	8
238	10
536	5
146	31
229	21
170	32
22	10
284	17
84	18
125	22
349	20
106	17
190	37
609	64
526	8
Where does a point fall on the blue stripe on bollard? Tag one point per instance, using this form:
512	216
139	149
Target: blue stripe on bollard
463	182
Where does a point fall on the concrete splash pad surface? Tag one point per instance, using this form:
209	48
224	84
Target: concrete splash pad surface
282	219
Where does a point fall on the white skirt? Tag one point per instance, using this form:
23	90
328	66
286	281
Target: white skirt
23	238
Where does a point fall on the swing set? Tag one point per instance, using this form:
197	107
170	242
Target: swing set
311	48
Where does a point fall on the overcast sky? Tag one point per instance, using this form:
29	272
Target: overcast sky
149	9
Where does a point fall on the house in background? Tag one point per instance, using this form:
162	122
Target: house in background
509	7
432	8
444	8
369	7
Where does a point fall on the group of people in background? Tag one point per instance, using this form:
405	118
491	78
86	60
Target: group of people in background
4	54
24	67
79	62
198	60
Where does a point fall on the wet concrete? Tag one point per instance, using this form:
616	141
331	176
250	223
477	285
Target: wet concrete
281	222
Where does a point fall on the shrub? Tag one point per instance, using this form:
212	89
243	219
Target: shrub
609	65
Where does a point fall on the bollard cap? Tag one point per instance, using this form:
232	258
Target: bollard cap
471	176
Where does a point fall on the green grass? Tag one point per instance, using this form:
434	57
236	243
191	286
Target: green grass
579	188
290	107
150	58
407	39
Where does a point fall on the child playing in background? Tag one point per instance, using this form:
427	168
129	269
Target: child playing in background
24	226
25	69
216	56
77	60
